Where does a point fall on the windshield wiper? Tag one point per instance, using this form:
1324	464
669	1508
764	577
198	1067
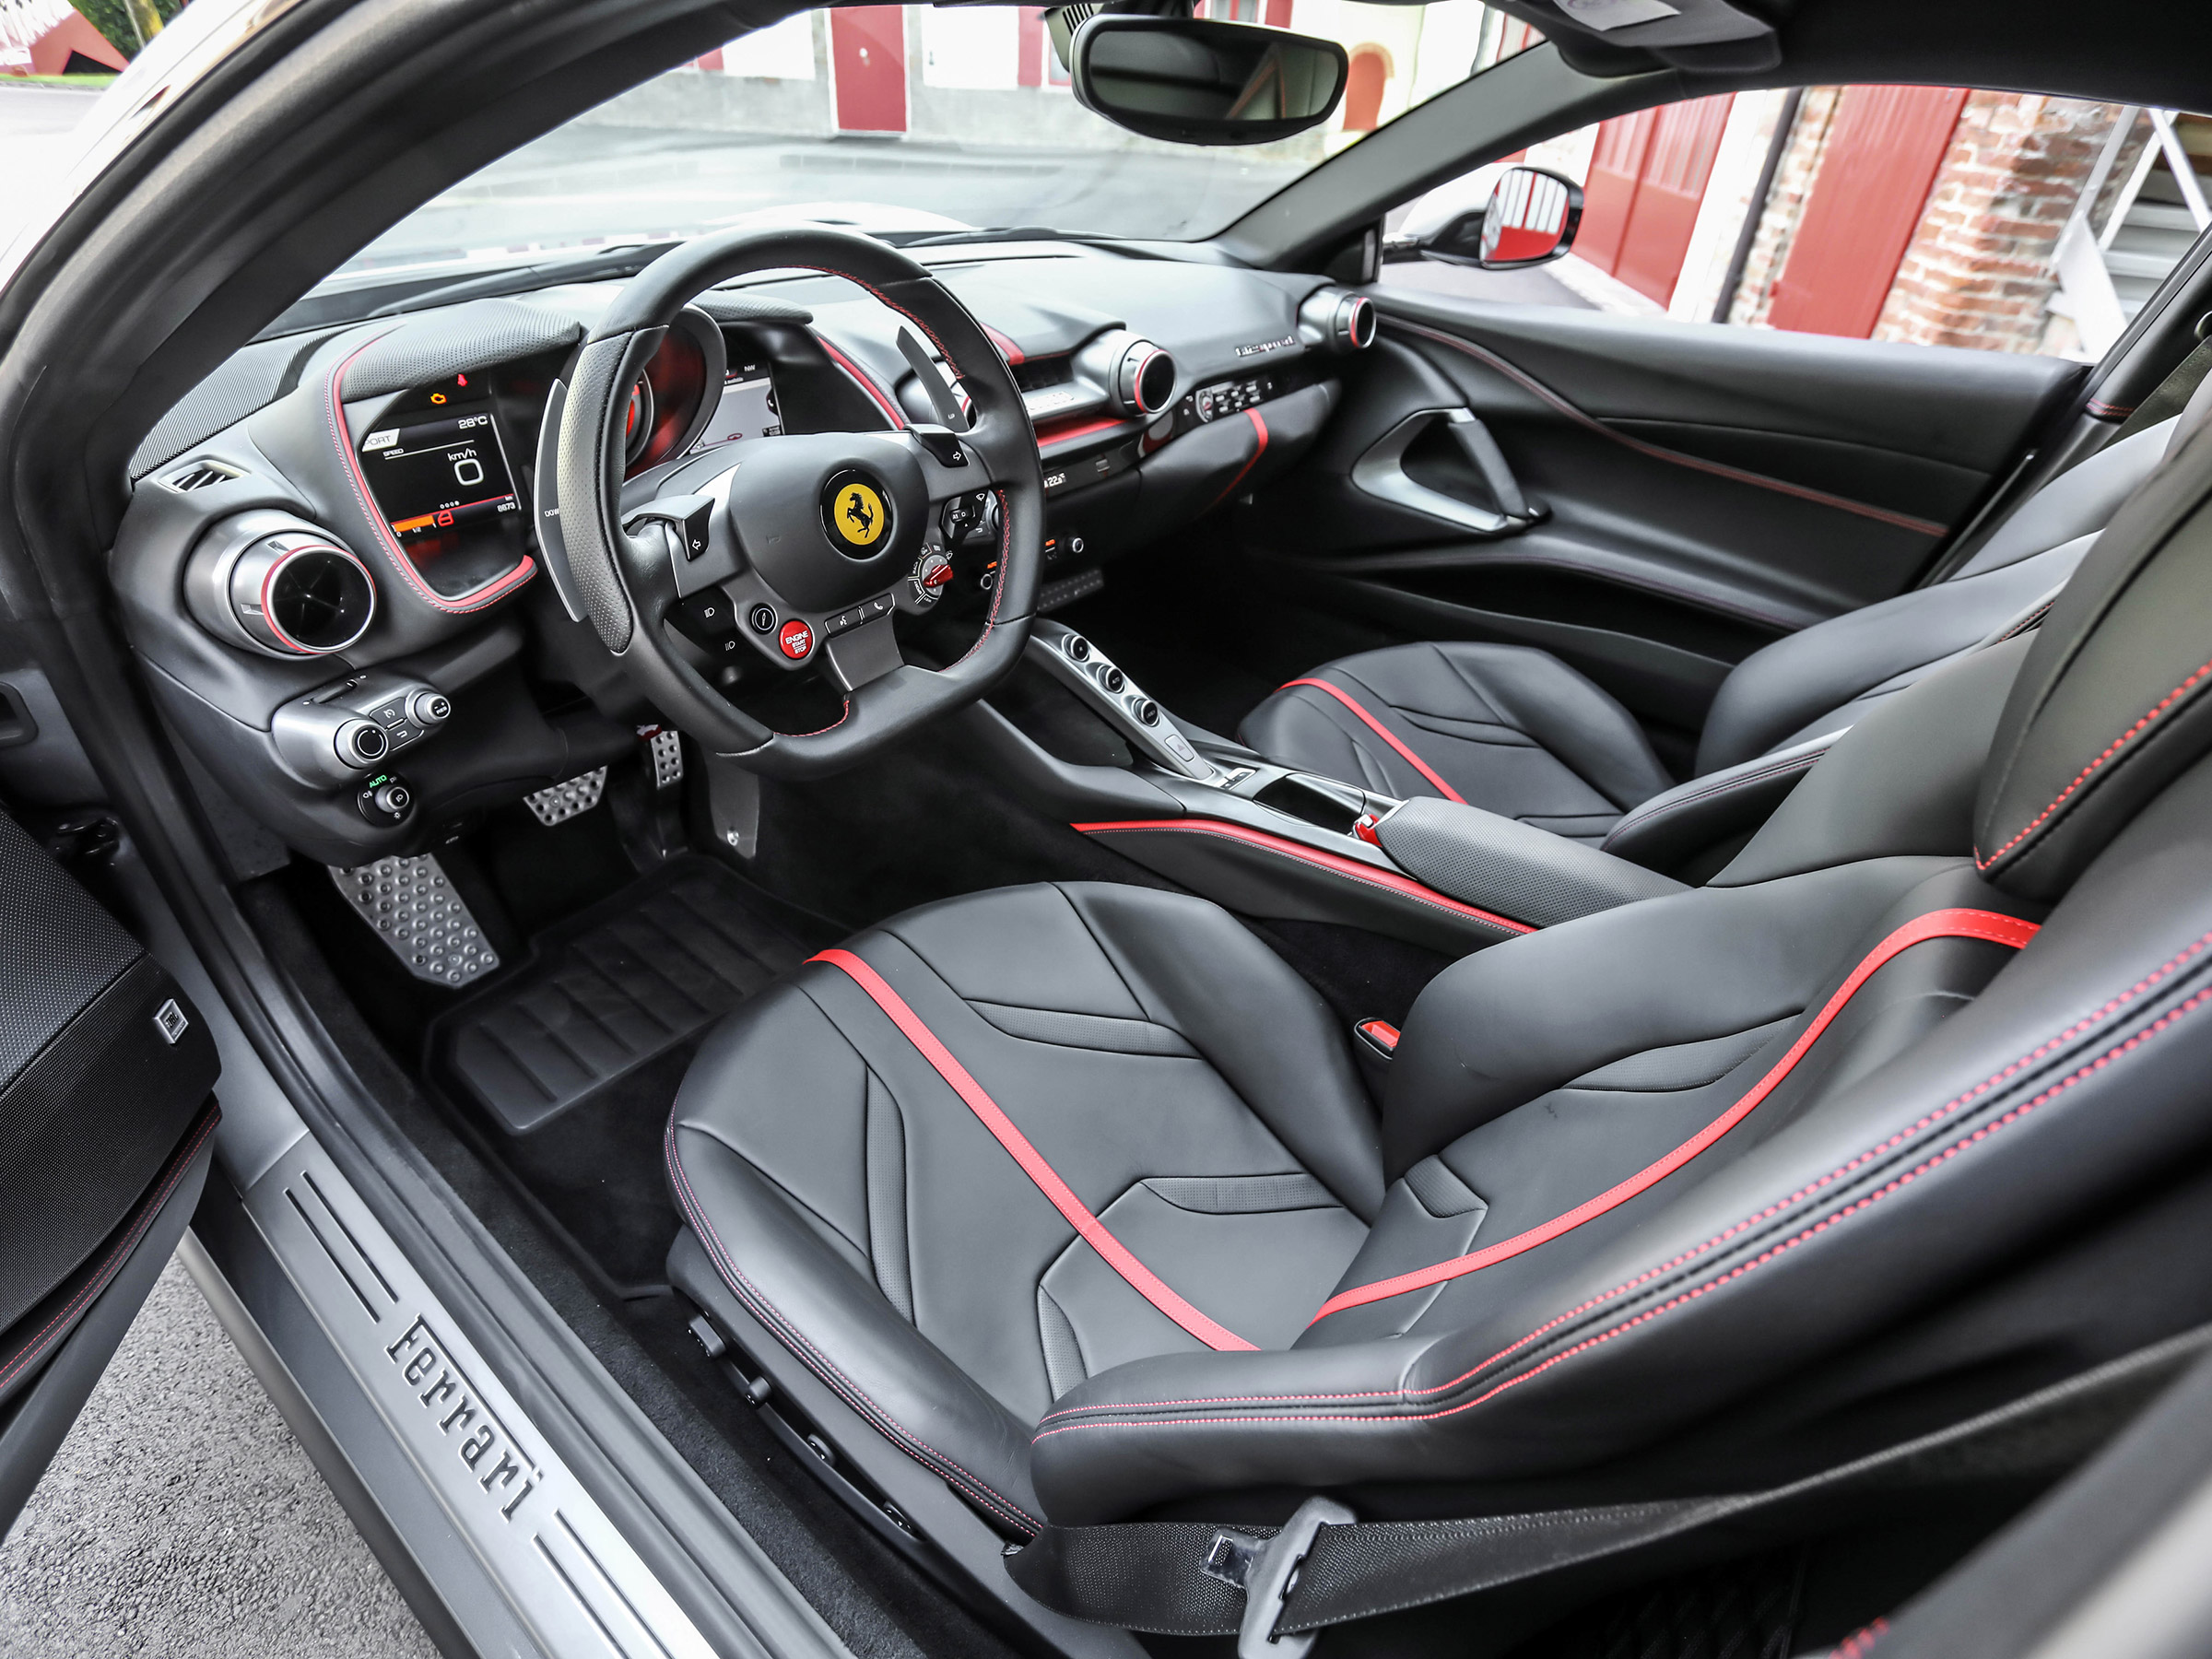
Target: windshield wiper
598	264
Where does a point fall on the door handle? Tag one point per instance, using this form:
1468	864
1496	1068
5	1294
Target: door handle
1381	473
1489	460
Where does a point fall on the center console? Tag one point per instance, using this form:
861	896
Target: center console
1270	842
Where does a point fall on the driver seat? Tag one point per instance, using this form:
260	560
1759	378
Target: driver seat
1072	1191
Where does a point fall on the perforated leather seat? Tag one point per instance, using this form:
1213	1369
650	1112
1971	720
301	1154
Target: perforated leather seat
1516	731
1071	1192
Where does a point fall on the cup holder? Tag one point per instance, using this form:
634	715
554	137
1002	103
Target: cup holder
1303	799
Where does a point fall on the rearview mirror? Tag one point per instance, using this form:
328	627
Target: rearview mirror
1530	218
1195	82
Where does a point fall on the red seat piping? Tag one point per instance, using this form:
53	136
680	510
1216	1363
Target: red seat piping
1936	924
1116	1254
1383	731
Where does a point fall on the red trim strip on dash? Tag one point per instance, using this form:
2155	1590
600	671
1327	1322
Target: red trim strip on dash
1388	881
866	382
1259	448
1117	1255
1383	731
1936	924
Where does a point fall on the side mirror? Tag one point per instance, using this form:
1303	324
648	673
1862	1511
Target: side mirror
1190	81
1530	218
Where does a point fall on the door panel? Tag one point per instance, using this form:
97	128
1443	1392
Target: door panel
1705	490
105	1115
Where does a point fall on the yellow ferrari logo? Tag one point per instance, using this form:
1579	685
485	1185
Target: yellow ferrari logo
859	514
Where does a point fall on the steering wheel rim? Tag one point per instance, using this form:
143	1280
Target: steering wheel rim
628	584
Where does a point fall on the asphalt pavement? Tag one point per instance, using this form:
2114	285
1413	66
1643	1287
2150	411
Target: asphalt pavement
180	1517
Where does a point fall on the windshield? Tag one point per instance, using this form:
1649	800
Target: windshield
908	121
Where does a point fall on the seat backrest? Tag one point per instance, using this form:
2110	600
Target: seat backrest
1830	674
1781	1170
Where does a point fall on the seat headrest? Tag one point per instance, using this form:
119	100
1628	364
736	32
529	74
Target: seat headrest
2194	414
2115	696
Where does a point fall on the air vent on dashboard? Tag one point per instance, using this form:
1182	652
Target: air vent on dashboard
200	474
1034	374
276	583
313	600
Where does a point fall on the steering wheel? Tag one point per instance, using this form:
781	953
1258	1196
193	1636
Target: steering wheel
815	536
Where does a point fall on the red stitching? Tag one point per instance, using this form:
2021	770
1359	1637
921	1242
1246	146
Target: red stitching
342	441
921	1450
1819	498
105	1272
1681	1298
1381	880
1381	730
1047	1180
1925	1122
998	588
2111	749
1936	924
864	380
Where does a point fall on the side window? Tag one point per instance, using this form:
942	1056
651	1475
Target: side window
2002	222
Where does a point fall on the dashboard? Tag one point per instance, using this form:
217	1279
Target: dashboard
342	564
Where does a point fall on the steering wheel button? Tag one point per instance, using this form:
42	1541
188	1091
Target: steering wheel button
795	640
762	618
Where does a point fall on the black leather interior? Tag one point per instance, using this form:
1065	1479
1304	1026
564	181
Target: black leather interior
1513	730
1509	867
1749	1166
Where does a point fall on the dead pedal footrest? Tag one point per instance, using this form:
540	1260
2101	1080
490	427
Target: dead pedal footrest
413	907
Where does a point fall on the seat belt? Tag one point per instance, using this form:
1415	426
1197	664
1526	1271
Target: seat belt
1276	1588
2170	395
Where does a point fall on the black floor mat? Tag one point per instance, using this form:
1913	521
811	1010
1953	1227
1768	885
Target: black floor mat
570	1067
612	991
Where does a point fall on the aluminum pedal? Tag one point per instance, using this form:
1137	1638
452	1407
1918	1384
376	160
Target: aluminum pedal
666	746
564	801
413	907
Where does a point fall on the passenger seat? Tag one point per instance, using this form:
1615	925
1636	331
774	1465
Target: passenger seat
1514	730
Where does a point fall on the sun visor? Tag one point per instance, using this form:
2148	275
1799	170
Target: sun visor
1621	37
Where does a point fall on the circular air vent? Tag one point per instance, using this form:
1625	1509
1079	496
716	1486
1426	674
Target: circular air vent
1145	380
304	598
1356	323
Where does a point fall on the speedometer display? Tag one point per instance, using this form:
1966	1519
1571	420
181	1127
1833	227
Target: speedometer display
441	482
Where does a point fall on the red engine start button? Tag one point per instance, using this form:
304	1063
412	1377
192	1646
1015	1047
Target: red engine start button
796	637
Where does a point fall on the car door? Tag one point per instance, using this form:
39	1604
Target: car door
1677	492
106	1122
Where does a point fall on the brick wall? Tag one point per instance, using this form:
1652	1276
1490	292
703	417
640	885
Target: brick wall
1979	271
1785	205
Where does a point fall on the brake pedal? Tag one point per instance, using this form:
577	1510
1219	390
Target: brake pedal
565	801
413	907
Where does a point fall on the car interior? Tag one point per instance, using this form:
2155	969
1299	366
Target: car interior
1170	949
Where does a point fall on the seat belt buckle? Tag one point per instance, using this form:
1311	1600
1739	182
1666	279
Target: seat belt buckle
1267	1570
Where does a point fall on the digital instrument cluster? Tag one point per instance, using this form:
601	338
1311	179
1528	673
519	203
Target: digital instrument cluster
436	463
